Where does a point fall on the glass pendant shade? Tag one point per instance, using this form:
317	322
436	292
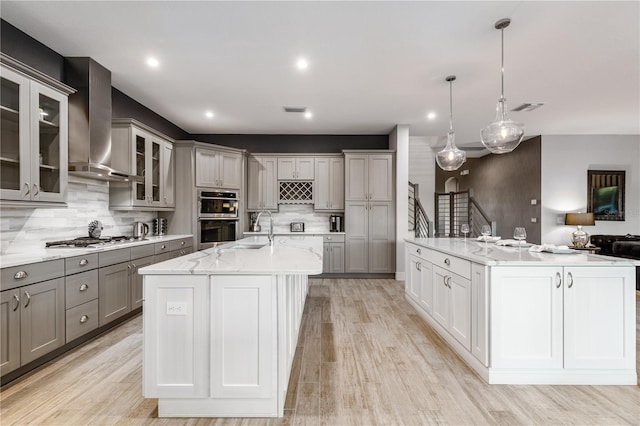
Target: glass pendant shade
451	158
503	135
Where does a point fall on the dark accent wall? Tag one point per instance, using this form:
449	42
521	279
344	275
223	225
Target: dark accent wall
30	51
297	143
504	186
125	107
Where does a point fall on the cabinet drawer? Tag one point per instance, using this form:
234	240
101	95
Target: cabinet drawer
163	256
333	238
113	257
17	276
162	248
144	250
81	288
421	252
450	263
82	319
73	265
182	243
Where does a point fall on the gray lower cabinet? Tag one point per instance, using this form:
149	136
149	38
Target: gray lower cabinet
115	291
370	237
136	280
333	257
32	323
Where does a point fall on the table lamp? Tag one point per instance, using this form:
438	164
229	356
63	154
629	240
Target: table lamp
579	237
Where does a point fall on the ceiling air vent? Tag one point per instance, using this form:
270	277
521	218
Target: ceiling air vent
294	109
528	107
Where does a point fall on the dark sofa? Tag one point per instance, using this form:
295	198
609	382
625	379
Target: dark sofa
627	246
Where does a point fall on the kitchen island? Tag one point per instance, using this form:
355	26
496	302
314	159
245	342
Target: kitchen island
522	317
221	325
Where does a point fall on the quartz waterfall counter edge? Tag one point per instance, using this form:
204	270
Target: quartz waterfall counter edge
221	327
527	318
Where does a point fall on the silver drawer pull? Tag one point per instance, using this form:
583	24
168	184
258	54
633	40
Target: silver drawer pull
449	282
181	243
17	299
84	319
163	247
447	262
20	275
558	280
419	251
26	293
570	279
83	262
84	287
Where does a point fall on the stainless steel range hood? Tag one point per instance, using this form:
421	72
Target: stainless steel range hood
90	120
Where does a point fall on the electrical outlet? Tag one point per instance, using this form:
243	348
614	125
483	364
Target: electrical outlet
534	202
176	308
534	220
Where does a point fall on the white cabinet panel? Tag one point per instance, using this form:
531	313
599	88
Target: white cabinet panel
176	337
262	184
381	237
413	285
218	169
479	313
598	302
357	237
329	184
460	309
526	327
381	177
356	177
168	175
295	168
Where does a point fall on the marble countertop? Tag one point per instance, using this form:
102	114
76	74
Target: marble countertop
490	254
297	254
43	254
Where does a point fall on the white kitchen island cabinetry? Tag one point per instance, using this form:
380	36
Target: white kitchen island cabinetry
220	327
529	318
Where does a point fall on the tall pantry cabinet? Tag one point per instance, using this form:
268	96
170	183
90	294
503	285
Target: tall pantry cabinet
369	212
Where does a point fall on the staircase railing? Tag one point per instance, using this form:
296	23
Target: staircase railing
418	219
456	208
477	218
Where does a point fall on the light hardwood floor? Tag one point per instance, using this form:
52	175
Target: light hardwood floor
364	358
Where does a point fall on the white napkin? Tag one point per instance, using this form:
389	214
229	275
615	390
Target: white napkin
510	242
547	247
488	238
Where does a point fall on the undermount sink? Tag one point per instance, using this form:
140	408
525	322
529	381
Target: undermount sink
246	246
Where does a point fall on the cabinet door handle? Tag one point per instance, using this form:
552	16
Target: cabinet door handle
558	280
28	296
135	268
129	267
419	251
444	280
36	189
17	299
28	188
83	262
570	279
447	262
449	282
84	319
20	275
84	287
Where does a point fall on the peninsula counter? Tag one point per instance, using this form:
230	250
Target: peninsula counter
221	325
521	317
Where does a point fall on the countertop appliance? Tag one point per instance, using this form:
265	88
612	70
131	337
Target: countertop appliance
140	230
336	223
297	226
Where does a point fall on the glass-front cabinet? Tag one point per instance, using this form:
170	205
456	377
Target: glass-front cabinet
142	152
33	140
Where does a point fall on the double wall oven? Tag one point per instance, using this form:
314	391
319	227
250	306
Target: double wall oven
217	217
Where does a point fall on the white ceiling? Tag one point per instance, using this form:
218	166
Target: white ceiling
372	64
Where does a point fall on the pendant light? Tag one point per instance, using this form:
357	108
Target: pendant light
503	135
451	158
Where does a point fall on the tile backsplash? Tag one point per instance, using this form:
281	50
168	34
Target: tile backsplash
287	213
22	229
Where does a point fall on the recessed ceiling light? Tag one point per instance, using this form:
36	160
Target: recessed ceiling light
431	115
209	114
302	64
308	115
153	62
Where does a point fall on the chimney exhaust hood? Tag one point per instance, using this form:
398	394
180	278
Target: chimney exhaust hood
90	120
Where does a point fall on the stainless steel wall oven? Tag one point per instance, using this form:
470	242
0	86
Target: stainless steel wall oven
213	232
217	204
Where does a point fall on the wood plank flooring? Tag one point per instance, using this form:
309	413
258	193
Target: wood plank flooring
364	358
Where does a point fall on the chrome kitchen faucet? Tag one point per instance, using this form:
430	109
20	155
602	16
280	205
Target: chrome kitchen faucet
270	235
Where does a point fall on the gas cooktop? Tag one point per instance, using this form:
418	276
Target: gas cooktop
90	241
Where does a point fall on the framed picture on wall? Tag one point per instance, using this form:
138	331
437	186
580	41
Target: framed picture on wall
606	194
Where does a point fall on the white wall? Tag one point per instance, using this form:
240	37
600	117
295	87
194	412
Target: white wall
422	171
399	142
565	161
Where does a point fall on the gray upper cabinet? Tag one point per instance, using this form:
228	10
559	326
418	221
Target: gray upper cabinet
295	168
329	183
218	169
143	152
33	149
262	183
369	177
